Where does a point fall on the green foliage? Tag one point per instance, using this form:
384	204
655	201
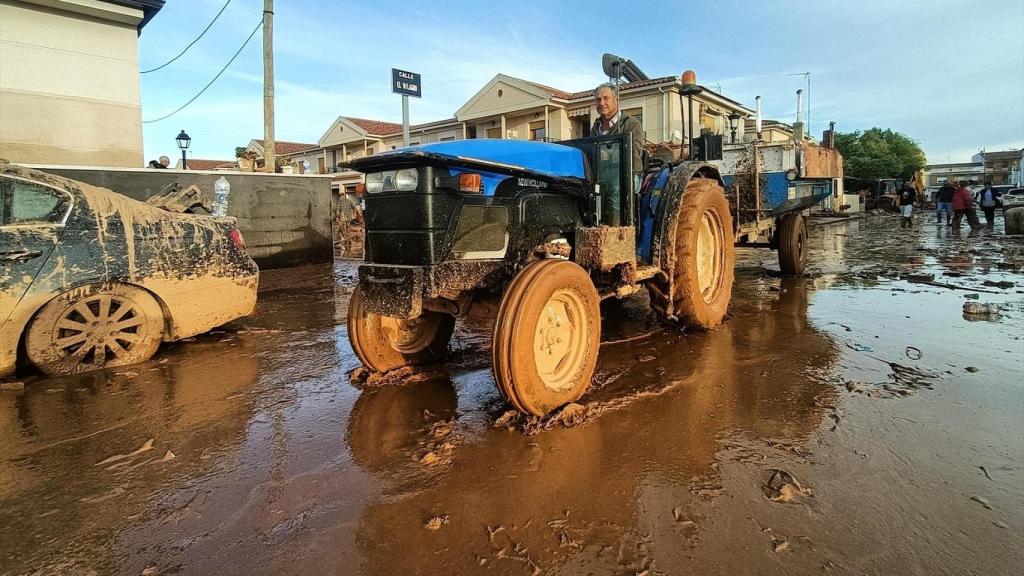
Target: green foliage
877	153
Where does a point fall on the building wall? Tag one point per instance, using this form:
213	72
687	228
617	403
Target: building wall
69	88
285	219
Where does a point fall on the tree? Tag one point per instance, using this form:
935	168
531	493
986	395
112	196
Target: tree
876	153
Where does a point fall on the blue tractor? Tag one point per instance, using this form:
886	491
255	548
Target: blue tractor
534	235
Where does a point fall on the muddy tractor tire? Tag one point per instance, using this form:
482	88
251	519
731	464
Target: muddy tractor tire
791	242
383	343
704	256
93	327
1013	221
546	336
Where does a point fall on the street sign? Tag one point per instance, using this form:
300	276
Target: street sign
406	83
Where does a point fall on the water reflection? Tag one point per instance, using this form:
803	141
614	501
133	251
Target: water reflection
82	455
582	497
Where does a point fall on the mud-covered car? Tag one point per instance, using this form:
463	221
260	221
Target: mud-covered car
92	279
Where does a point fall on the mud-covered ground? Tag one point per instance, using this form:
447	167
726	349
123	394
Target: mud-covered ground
851	422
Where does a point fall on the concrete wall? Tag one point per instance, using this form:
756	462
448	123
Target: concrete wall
286	219
69	84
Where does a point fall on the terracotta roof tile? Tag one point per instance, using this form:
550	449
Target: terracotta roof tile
625	86
375	127
282	147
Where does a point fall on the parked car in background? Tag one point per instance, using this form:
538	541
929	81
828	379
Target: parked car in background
92	279
1012	198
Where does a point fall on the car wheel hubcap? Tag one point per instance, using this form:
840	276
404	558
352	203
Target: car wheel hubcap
559	340
98	329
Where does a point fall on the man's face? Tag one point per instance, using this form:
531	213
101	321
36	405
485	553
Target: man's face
607	106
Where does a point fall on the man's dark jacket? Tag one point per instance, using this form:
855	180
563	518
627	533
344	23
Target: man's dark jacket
945	193
626	125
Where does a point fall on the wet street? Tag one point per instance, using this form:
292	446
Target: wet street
853	421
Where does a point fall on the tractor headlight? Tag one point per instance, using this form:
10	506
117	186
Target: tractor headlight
375	183
391	181
406	180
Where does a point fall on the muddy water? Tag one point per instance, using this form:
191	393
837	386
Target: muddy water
850	422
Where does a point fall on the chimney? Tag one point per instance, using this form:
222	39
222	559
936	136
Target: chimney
757	116
828	138
798	126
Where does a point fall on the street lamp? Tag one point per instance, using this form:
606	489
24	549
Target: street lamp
733	118
183	141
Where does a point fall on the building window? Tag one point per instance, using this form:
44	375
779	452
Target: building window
369	151
414	143
637	113
494	132
537	131
471	132
447	138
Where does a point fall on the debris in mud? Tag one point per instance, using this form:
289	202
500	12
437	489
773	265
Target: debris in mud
436	522
972	296
971	369
396	377
980	309
1000	284
920	278
118	457
780	545
783	487
12	385
913	352
981	501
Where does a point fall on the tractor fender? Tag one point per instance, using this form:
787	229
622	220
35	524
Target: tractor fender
672	195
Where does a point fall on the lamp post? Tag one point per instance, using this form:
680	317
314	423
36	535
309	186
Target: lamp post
733	118
183	141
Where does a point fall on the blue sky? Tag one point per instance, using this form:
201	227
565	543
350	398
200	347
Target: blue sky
949	74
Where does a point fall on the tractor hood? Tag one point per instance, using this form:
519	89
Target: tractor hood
562	166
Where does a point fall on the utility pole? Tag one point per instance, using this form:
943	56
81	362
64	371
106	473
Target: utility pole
269	150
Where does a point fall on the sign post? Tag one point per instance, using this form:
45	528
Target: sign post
407	84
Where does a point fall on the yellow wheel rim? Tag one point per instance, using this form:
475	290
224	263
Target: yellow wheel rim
409	336
710	256
559	340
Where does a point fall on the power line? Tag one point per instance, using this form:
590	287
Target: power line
210	83
190	43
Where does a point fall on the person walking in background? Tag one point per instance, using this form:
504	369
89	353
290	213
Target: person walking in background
944	204
988	198
908	195
963	205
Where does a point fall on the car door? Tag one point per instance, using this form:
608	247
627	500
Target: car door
32	218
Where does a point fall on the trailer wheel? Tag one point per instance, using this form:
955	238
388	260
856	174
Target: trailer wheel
383	343
700	262
792	244
546	336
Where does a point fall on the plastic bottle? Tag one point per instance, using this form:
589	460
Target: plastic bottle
221	189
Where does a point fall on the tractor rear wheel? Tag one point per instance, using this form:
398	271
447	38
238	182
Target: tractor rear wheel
792	244
546	336
384	343
700	259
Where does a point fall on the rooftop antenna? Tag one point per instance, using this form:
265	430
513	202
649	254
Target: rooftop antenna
807	76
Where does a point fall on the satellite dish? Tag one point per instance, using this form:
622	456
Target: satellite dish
616	67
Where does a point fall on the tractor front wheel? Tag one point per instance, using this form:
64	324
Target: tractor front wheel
546	336
384	343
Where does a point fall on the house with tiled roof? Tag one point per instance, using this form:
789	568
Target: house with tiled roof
303	157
